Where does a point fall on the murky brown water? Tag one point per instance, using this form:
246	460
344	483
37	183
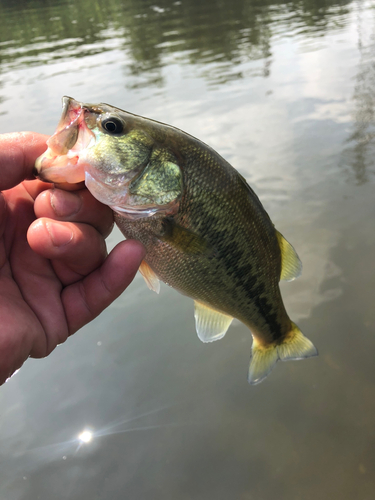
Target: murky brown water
286	93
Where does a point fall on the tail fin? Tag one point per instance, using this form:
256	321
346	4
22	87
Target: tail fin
264	358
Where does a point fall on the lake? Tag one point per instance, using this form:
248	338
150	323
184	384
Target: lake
134	406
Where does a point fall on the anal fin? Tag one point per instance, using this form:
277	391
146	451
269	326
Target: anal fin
210	324
152	281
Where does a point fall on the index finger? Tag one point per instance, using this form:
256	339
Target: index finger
18	152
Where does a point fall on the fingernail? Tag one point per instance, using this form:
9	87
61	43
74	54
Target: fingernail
65	203
60	233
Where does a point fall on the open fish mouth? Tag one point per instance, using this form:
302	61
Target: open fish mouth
60	163
93	143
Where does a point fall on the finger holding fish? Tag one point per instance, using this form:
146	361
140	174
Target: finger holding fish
74	206
70	231
73	249
86	299
17	149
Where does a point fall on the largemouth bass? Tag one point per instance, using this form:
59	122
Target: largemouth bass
205	231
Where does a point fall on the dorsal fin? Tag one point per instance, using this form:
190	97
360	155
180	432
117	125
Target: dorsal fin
291	266
152	281
210	324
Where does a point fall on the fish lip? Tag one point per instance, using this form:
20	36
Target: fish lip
68	104
64	147
67	130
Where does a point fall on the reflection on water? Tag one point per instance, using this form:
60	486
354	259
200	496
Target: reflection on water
215	36
134	406
360	153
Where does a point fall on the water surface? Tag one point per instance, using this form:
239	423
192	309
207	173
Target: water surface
285	92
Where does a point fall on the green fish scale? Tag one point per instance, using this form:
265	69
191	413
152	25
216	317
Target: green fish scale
238	271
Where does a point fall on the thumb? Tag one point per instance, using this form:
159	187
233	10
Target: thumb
18	152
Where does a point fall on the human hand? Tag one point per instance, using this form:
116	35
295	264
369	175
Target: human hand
55	275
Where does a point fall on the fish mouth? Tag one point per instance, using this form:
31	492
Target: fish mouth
65	161
60	162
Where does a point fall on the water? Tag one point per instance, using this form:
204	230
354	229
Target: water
285	92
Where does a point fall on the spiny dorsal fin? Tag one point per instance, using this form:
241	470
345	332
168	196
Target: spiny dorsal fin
264	357
291	266
210	324
152	281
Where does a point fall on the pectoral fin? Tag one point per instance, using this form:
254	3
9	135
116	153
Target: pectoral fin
210	324
182	238
291	266
152	281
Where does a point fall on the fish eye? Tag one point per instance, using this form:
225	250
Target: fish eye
113	125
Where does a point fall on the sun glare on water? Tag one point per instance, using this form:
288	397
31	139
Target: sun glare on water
88	438
85	436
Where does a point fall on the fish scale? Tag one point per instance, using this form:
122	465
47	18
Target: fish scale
235	289
205	231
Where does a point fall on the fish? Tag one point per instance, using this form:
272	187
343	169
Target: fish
205	230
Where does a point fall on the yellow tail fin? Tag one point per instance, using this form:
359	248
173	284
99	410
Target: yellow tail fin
264	358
